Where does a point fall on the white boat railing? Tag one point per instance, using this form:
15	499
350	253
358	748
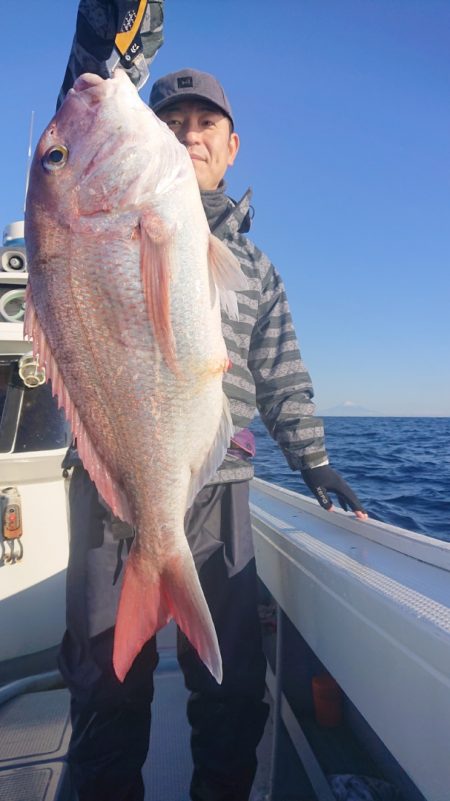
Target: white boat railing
373	603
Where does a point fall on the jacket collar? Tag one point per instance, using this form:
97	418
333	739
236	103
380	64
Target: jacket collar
225	215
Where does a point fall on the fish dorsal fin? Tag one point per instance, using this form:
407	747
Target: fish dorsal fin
155	274
227	275
108	488
215	456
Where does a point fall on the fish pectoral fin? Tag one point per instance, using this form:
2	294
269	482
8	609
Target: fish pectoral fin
155	275
215	455
108	488
146	606
227	275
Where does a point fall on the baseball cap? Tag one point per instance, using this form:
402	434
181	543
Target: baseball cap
188	84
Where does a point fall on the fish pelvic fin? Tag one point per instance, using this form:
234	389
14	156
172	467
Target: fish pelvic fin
146	607
155	275
108	488
227	275
215	456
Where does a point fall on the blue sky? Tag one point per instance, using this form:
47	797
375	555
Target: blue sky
344	116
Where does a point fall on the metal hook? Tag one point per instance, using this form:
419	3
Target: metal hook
16	552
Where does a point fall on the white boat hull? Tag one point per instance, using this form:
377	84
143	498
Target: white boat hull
373	602
32	590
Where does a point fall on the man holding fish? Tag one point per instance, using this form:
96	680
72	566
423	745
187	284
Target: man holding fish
139	353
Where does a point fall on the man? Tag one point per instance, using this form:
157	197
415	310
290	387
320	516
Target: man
111	721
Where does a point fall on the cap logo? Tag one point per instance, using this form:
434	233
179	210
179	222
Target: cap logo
185	82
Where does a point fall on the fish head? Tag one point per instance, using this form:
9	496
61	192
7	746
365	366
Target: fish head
103	158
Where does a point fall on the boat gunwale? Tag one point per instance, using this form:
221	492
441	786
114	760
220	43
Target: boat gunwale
423	547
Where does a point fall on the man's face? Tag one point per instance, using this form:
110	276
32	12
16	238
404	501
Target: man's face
205	131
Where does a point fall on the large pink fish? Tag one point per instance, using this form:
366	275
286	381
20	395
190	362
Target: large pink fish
124	311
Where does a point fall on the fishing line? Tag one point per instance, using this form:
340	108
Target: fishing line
29	155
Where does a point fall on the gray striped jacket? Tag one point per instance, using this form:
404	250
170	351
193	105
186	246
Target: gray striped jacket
267	371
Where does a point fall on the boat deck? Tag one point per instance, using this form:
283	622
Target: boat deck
335	582
35	731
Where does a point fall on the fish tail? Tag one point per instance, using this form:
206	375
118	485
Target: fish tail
145	608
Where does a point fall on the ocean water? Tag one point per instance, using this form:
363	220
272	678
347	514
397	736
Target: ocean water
398	466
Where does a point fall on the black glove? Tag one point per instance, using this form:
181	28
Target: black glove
96	47
322	480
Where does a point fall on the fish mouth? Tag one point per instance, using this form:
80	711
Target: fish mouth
86	81
89	80
91	89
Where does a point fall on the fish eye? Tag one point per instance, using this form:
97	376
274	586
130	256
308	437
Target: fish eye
55	158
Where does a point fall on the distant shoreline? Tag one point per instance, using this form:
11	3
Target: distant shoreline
386	416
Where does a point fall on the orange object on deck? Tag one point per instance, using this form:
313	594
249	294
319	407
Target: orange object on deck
327	700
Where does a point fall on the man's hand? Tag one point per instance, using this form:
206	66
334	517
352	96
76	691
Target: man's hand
322	480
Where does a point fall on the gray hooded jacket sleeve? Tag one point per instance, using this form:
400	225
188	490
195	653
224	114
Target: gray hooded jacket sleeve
284	390
267	371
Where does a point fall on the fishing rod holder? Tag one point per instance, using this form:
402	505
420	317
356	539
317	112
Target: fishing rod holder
30	372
